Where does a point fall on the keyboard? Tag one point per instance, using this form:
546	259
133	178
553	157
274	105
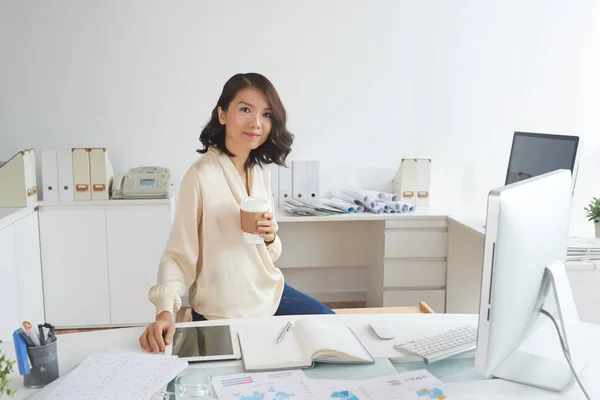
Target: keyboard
439	347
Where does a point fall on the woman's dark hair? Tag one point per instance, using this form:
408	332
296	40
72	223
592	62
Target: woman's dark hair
279	143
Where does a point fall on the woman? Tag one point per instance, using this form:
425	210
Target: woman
206	254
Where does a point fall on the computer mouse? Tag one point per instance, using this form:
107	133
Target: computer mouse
382	329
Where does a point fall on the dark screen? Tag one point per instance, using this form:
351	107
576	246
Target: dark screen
536	154
198	341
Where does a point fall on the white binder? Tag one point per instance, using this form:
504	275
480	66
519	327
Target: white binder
81	174
285	185
299	180
274	172
423	178
30	177
14	181
313	182
405	182
50	187
64	161
101	174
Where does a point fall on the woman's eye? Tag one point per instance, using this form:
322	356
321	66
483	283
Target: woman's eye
245	109
267	114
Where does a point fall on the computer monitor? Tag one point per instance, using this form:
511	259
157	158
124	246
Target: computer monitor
527	233
534	154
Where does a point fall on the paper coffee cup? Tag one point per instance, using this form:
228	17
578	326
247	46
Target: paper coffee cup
252	210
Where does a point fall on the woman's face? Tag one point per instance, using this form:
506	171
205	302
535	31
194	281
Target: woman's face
247	120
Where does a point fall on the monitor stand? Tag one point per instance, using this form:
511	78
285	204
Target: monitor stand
542	372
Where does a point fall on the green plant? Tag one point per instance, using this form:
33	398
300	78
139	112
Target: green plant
6	367
593	210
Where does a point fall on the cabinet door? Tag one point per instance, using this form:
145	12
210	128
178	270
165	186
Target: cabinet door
9	285
136	241
29	269
75	268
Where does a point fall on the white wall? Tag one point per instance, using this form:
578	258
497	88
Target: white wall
365	83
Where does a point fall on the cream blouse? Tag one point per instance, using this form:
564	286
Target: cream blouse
206	253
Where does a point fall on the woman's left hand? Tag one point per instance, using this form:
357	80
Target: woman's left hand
266	227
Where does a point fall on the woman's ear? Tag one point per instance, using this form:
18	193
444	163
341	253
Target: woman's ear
221	114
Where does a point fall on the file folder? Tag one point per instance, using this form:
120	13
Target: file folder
313	182
285	185
423	175
64	162
101	174
299	180
81	174
274	172
405	181
14	181
50	191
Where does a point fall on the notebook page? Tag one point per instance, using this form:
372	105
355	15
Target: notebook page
260	350
118	375
319	334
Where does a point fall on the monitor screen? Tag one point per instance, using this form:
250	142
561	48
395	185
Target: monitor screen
534	154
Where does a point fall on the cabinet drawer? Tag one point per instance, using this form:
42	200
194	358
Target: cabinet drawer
419	223
402	298
412	243
398	272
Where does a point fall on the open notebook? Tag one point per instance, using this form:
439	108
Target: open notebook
309	340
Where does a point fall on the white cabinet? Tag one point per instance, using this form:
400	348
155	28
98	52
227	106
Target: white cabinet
75	267
9	285
100	259
136	240
20	275
29	268
414	265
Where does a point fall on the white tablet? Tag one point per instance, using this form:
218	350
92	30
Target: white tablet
194	342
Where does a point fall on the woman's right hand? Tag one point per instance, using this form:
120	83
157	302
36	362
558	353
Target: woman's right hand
158	334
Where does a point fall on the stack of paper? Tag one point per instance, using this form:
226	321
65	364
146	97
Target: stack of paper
583	249
294	384
119	375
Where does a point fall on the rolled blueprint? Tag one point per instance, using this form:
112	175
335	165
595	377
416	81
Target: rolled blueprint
388	196
356	194
339	204
342	196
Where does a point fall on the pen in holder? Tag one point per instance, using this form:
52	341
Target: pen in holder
37	364
44	365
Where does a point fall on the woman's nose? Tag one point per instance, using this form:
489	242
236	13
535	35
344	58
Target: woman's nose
255	122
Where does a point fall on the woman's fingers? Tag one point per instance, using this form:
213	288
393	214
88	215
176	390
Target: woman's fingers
144	341
152	340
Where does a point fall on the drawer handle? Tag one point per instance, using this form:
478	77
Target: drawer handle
99	187
81	187
408	194
423	195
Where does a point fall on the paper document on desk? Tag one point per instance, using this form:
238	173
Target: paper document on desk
280	385
119	375
418	384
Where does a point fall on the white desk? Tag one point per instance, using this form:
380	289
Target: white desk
73	348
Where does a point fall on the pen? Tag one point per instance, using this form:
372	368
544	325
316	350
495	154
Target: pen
286	328
41	332
31	333
25	337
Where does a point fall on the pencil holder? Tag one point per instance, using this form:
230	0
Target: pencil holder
44	365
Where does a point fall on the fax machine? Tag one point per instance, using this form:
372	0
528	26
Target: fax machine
143	183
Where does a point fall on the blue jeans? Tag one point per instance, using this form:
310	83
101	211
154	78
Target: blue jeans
293	302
